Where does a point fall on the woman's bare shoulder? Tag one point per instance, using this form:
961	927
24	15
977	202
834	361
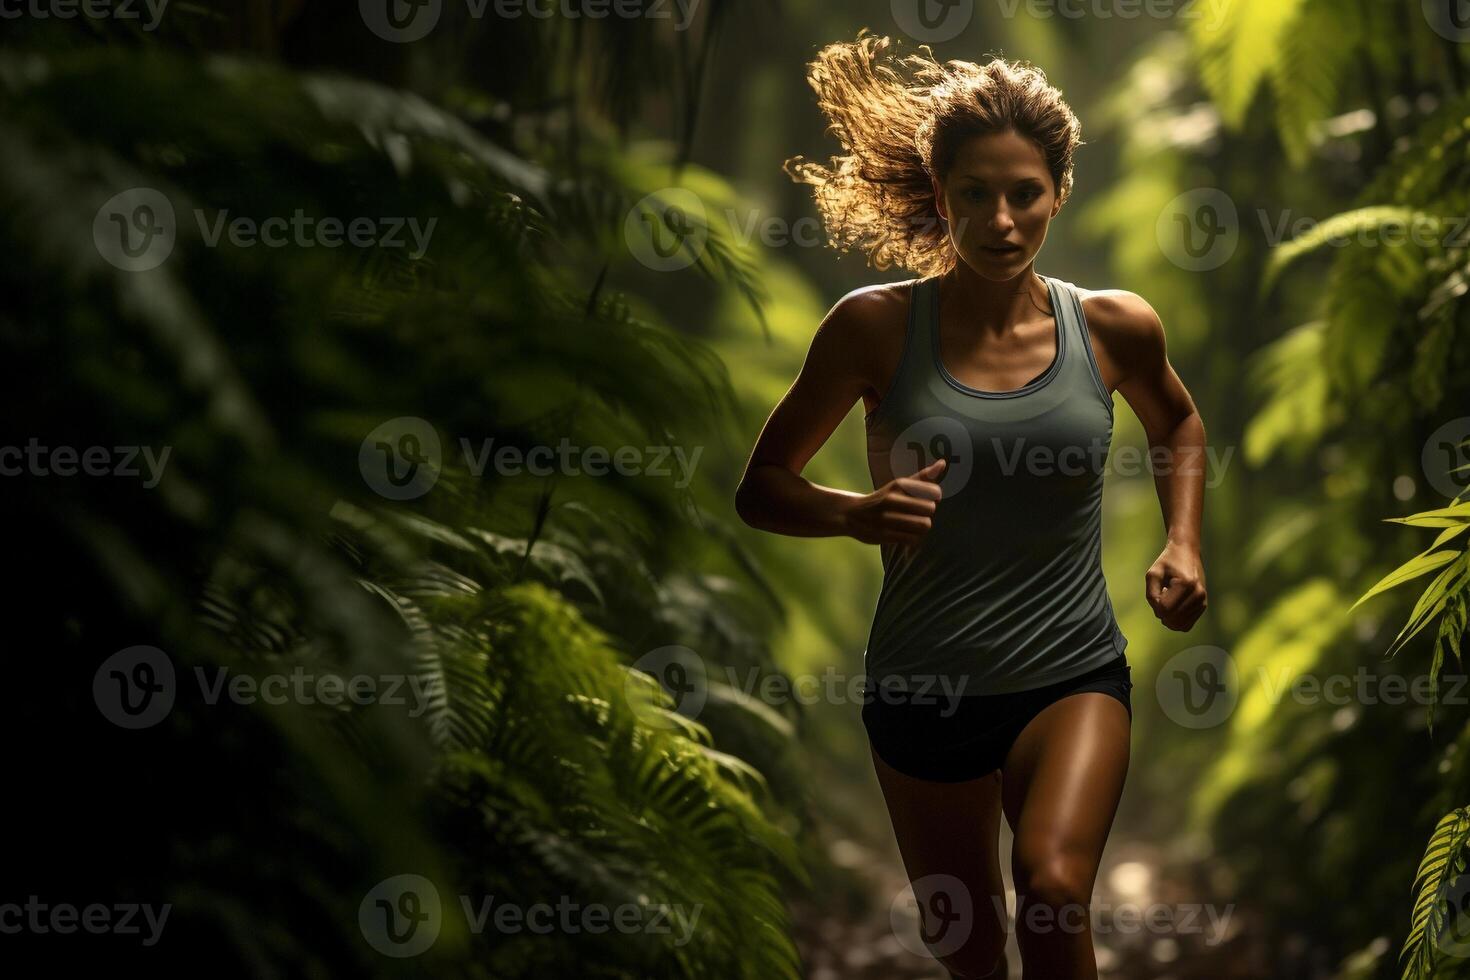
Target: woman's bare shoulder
868	312
1122	321
869	325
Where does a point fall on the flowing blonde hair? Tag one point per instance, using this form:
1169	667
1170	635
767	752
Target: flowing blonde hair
900	120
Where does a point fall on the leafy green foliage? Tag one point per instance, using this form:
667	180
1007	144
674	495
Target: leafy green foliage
1352	356
537	764
1442	866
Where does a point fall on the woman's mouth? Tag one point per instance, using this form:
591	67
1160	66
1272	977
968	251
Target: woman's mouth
1002	250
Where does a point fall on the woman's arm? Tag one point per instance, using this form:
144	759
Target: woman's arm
1136	352
774	496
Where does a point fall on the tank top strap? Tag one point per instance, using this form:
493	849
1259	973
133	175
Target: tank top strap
922	326
921	367
910	376
1079	339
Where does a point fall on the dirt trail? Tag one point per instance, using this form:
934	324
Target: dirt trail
1149	923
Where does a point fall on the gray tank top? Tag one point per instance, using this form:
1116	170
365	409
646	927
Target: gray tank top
1006	592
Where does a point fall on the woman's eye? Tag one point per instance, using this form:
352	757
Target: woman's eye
1021	197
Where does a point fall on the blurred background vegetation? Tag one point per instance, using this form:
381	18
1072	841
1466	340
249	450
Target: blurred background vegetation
617	259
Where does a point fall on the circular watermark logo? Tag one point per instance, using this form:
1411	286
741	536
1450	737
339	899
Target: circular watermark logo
401	458
667	230
933	916
1450	19
929	439
401	916
1199	229
1453	936
134	688
1446	450
401	21
1198	687
679	671
932	21
135	231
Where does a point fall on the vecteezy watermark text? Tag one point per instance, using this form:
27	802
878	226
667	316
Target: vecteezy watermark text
64	918
310	232
927	439
594	460
1200	229
406	21
35	459
402	916
685	677
137	688
136	230
90	9
935	915
401	459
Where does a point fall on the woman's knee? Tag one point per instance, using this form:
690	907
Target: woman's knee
1057	881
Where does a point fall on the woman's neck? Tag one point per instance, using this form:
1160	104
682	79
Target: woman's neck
990	306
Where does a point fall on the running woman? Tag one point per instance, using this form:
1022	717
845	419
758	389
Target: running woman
998	681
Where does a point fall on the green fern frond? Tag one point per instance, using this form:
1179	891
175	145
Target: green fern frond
1297	409
1306	79
1240	43
1440	868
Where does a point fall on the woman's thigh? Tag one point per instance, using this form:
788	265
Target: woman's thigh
948	835
1061	785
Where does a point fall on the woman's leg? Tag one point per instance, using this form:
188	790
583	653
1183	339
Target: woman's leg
952	830
1061	783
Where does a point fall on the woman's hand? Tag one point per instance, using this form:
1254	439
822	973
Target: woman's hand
1176	586
899	512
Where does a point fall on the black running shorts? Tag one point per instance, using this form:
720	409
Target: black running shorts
951	739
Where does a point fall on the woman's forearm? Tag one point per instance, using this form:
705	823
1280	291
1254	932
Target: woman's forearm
772	498
1181	481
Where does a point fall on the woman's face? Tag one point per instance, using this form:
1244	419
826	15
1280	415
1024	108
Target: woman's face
997	199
